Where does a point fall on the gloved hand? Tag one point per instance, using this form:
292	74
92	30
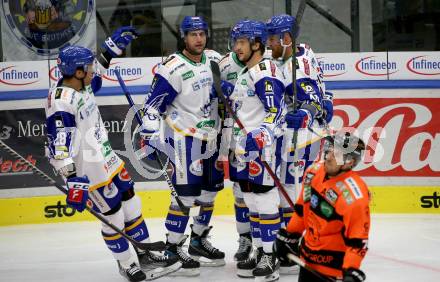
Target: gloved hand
299	119
286	243
257	139
353	275
78	192
150	126
327	105
119	40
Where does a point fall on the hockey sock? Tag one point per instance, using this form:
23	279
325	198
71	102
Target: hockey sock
269	225
176	222
137	229
285	215
241	217
117	244
201	222
135	225
255	229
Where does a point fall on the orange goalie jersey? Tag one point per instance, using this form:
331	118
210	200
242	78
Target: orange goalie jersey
335	214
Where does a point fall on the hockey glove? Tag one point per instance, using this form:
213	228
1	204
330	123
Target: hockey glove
327	105
78	192
257	139
299	119
353	275
119	40
286	243
150	127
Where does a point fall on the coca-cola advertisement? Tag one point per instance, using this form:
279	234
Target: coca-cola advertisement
402	135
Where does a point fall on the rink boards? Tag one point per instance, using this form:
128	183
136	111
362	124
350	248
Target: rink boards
52	209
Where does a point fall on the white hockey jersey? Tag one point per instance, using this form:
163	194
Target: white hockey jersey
258	97
182	92
230	66
307	69
76	134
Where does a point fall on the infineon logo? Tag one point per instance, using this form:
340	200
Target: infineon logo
422	66
372	67
129	73
331	69
15	77
54	73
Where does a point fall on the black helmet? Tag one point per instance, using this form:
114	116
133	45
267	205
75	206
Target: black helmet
347	144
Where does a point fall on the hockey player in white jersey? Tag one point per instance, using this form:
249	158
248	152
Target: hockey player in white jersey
181	106
230	67
257	102
79	149
312	106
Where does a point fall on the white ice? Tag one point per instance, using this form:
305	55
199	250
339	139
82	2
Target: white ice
403	248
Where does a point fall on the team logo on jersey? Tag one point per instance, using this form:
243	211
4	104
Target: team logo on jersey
196	168
187	75
110	191
255	169
45	26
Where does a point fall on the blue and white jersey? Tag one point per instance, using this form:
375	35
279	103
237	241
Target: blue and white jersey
258	102
181	92
76	134
309	77
258	96
230	67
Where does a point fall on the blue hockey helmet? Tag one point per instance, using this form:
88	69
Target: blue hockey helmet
280	24
193	23
71	58
251	30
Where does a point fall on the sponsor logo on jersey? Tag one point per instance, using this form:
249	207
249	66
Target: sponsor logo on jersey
106	148
423	66
17	76
80	104
301	164
187	75
430	201
326	209
268	86
262	66
58	93
110	191
206	123
231	76
128	73
331	196
255	169
372	67
314	201
16	167
58	210
196	168
243	81
354	188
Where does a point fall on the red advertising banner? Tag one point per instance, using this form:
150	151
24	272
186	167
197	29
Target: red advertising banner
403	134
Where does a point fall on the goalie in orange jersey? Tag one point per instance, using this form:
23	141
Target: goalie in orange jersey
332	215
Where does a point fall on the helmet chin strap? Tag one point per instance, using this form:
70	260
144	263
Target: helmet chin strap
284	47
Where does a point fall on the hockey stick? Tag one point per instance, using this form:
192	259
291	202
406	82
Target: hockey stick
216	75
292	107
193	211
155	246
302	264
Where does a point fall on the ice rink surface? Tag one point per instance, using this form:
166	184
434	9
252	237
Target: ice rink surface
403	248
